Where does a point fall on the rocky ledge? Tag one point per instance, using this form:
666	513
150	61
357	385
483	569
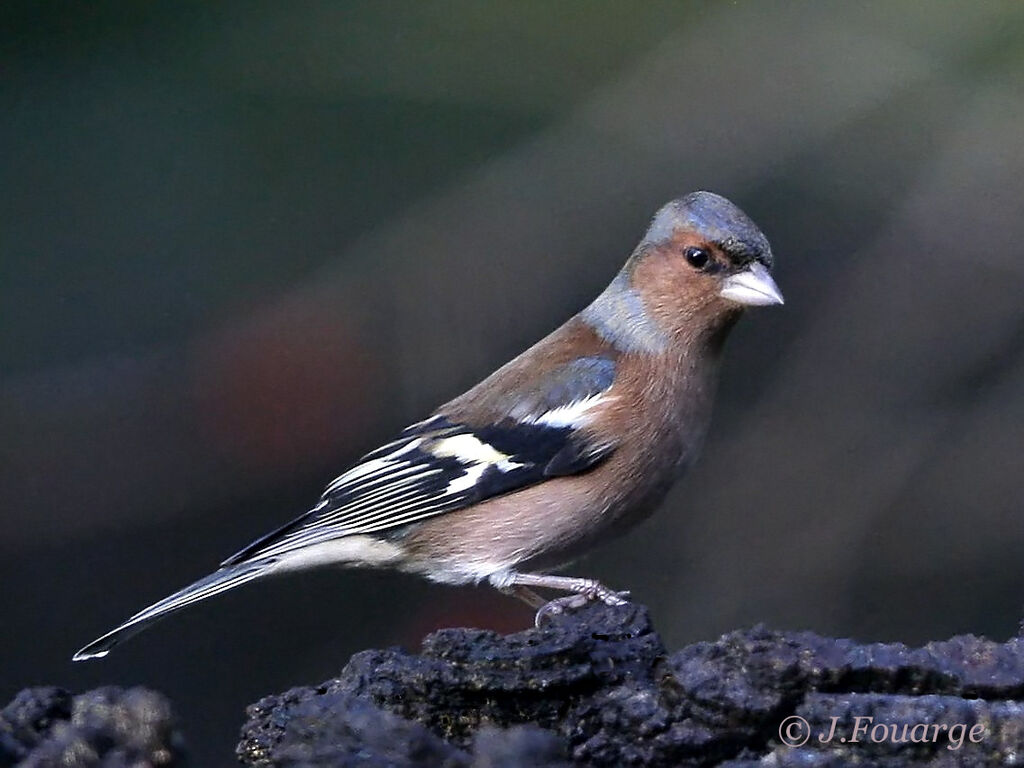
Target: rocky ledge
595	687
110	727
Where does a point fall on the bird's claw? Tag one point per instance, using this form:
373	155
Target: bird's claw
571	602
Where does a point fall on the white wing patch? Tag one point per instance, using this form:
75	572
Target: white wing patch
437	466
470	479
575	415
470	449
406	481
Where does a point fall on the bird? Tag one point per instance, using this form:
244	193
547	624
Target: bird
572	442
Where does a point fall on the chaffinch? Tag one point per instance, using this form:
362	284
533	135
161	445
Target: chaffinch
576	439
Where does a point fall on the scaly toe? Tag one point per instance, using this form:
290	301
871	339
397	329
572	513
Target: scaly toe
559	605
607	596
615	598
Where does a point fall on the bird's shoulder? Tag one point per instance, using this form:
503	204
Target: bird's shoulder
570	366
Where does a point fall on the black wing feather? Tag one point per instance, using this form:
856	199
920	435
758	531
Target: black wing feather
439	466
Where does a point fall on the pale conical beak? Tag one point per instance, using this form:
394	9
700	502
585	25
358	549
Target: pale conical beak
753	286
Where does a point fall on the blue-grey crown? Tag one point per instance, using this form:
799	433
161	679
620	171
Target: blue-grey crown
715	219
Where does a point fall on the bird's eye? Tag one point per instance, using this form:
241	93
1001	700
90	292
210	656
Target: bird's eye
697	258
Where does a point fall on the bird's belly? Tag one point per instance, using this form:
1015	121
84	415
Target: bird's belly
539	527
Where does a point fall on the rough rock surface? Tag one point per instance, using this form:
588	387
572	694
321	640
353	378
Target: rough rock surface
597	687
104	728
591	688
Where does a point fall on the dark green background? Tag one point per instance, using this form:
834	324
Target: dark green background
243	243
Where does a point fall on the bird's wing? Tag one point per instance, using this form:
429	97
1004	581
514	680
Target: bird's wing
442	464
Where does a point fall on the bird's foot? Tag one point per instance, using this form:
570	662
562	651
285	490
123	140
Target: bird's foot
592	592
583	591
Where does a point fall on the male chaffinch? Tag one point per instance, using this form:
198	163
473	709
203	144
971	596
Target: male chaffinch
576	439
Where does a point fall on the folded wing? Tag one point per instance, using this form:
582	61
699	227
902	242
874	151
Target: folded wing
442	464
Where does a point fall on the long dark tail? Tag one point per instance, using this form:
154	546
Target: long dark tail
208	586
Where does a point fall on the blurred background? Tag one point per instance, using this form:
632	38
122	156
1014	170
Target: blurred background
243	243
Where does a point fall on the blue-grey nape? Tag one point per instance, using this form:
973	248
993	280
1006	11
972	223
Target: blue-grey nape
619	317
715	219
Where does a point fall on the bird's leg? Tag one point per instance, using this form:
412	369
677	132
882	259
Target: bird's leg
584	590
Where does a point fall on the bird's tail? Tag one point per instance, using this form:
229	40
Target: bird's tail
208	586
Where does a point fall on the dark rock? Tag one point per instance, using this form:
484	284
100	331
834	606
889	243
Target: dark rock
518	746
26	720
313	734
107	727
338	729
596	687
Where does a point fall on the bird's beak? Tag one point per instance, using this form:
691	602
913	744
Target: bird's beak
753	286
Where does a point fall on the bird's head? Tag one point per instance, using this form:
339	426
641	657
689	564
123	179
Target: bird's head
702	260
